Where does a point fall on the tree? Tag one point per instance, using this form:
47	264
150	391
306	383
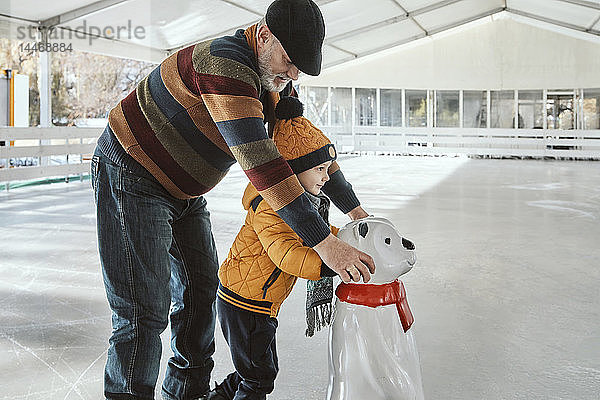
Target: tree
94	83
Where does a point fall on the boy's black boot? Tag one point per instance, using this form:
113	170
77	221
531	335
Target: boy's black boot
218	393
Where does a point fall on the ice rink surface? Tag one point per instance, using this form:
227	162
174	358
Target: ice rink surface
506	292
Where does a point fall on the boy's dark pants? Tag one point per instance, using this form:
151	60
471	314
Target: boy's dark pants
251	339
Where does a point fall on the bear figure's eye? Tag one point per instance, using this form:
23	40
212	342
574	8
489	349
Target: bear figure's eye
363	228
388	241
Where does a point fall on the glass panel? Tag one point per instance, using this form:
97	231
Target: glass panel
531	109
86	86
301	90
502	109
366	107
446	112
391	107
416	108
316	105
559	111
341	108
591	109
474	109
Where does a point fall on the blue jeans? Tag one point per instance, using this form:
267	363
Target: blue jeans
159	260
251	340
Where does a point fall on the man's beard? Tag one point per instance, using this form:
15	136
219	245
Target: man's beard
267	76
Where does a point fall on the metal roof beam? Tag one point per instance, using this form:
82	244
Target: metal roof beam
117	48
80	12
216	35
433	7
354	55
552	21
467	20
323	2
367	28
376	50
593	24
398	18
18	18
583	3
397	2
233	3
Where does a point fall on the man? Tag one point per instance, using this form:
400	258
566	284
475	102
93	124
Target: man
167	143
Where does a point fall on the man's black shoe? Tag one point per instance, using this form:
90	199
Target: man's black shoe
215	395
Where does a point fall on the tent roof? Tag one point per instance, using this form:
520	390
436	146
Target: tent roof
355	28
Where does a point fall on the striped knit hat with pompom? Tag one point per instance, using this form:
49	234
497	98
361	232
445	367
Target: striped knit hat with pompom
301	143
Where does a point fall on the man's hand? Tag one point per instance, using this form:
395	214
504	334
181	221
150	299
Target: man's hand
357	213
349	263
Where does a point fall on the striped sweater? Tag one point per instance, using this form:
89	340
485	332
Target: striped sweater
198	113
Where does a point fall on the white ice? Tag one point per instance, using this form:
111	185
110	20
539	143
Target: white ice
505	294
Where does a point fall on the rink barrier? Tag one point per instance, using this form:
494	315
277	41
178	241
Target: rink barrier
42	144
474	142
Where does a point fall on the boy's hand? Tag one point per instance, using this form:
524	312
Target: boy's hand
357	213
349	263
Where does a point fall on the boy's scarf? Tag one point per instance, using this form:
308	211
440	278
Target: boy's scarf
272	97
319	294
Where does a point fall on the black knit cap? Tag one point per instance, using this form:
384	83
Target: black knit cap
299	26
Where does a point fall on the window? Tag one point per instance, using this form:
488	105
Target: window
316	105
446	114
474	109
341	108
391	107
591	109
366	107
502	109
559	110
531	109
416	108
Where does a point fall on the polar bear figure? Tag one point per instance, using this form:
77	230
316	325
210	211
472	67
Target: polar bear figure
372	351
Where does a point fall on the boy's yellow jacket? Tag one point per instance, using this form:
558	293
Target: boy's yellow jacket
265	260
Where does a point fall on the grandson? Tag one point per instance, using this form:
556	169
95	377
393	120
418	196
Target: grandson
267	258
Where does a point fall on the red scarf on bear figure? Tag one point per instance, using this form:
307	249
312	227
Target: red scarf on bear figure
371	295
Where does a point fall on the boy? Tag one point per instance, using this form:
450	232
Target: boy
267	258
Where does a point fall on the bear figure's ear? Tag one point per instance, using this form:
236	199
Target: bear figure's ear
363	229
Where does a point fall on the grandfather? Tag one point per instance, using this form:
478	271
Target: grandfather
167	143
